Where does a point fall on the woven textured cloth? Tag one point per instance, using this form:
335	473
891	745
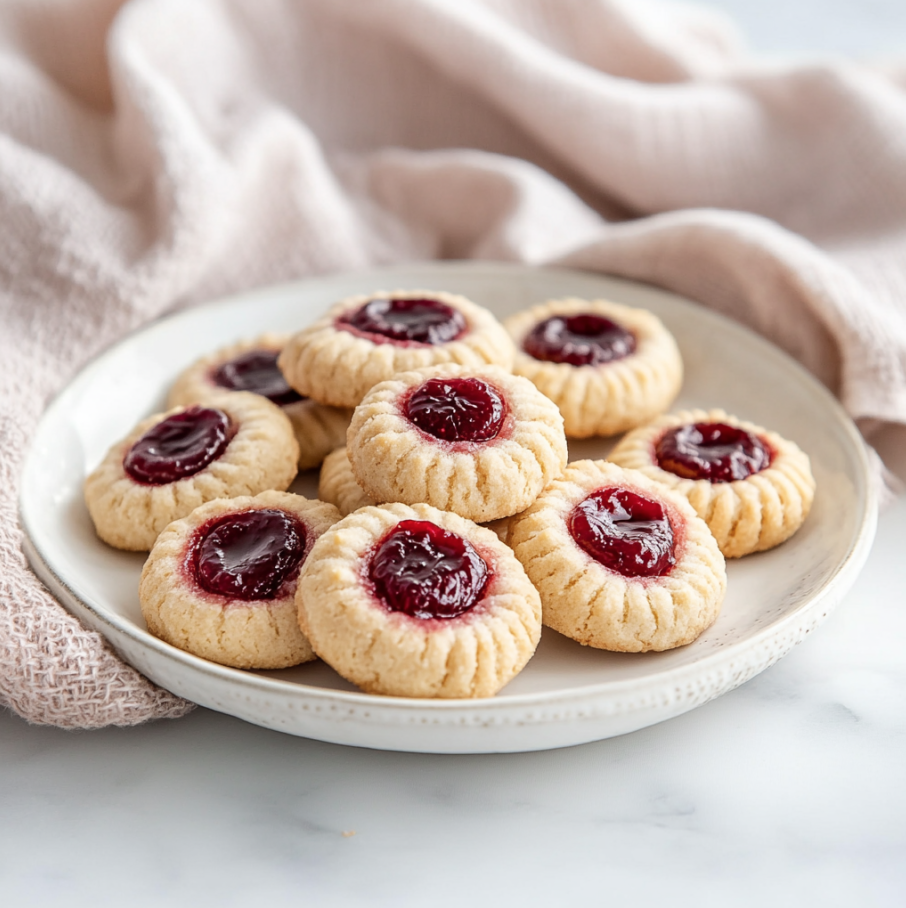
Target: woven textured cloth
156	154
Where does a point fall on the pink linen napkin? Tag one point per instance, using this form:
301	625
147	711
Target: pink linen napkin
157	154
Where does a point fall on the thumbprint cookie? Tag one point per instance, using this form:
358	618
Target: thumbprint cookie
252	366
169	464
608	367
221	582
364	340
337	484
415	602
476	441
752	487
621	563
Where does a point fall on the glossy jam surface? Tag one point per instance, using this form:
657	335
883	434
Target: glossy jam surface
712	451
179	446
580	340
249	555
625	532
457	409
407	321
427	572
256	371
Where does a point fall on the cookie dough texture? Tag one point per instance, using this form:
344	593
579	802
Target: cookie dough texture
599	607
318	429
337	484
391	653
394	460
261	455
336	366
261	633
747	515
608	398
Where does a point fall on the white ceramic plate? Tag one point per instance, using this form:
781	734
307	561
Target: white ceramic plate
568	694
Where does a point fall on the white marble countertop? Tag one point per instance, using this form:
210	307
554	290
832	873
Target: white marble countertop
787	791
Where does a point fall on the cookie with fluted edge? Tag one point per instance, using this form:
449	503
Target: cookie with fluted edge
745	515
386	639
480	442
251	365
239	609
611	396
340	357
337	484
651	579
260	453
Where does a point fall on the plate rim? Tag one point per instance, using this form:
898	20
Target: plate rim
830	591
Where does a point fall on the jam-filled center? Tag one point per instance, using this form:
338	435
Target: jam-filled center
414	321
713	451
427	572
624	531
457	409
256	371
249	555
179	446
580	340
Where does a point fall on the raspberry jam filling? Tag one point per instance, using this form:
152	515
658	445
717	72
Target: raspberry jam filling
712	451
249	555
426	572
580	340
179	446
625	532
256	371
402	321
457	409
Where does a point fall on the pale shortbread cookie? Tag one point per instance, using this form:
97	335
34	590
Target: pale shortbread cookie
338	365
318	429
256	633
394	460
745	515
610	397
600	607
262	454
337	484
390	652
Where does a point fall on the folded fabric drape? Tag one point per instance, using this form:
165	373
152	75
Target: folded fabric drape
158	154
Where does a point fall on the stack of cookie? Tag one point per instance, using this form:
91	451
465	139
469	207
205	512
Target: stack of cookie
449	525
